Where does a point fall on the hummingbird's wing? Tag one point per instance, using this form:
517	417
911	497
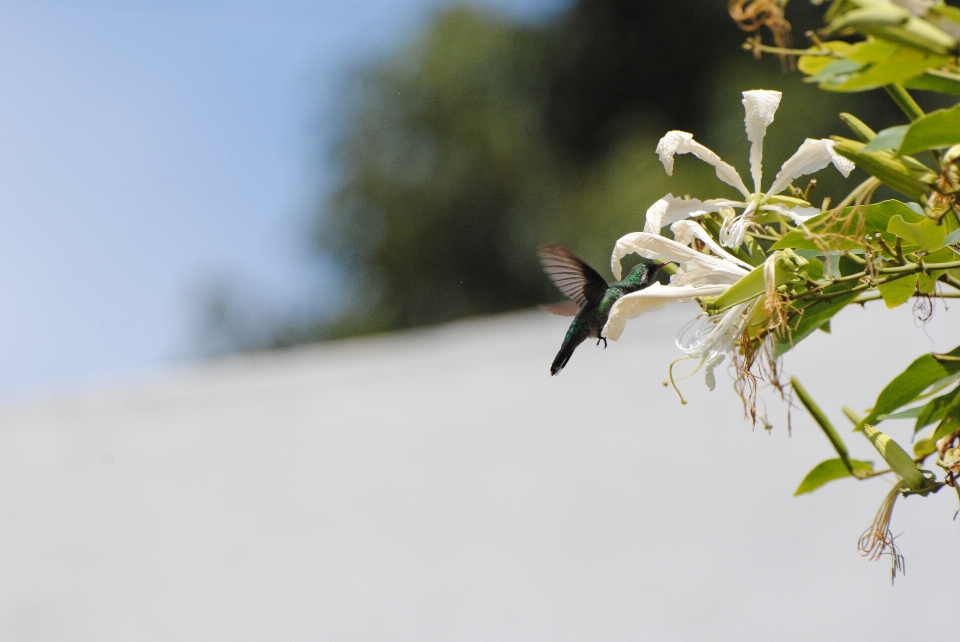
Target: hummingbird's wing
562	309
578	281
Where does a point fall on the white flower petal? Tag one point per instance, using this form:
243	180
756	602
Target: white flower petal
760	106
709	269
650	246
671	209
734	229
685	231
709	378
797	214
697	274
812	156
916	7
715	335
652	298
678	142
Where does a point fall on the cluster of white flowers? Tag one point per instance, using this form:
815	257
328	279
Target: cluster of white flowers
699	275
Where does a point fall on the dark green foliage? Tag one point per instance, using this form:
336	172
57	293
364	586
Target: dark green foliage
487	138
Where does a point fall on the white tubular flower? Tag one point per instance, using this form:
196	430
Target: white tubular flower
712	338
760	106
916	7
699	275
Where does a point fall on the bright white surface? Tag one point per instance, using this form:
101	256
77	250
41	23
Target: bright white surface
440	485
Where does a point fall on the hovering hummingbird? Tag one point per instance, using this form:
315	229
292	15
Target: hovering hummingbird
591	297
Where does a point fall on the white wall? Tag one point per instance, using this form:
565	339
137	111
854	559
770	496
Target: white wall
440	485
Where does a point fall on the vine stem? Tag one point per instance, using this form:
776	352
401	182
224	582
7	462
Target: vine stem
878	297
892	272
784	51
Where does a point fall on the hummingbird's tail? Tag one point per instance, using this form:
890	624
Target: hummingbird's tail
566	351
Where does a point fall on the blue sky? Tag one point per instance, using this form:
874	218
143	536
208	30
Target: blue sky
151	149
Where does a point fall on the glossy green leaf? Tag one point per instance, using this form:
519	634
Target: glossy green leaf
889	138
925	284
952	237
887	72
924	447
947	425
935	80
936	409
947	11
868	220
936	130
828	471
910	413
870	64
925	233
751	286
811	64
835	72
905	387
809	319
871	51
897	292
943	255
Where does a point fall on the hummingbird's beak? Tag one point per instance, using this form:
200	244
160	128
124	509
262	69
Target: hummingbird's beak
660	266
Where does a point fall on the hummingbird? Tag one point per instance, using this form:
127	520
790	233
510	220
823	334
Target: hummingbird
591	297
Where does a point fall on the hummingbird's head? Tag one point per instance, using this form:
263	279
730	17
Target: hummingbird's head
656	267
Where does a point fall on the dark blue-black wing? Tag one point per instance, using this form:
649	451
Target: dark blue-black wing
578	281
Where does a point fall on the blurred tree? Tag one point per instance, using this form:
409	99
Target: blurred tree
487	138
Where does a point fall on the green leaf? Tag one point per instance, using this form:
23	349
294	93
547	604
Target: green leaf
925	284
751	286
871	51
897	292
828	471
936	80
889	138
949	424
810	318
952	237
871	64
812	64
905	387
888	72
867	220
947	11
835	72
936	409
924	447
924	233
910	413
936	130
